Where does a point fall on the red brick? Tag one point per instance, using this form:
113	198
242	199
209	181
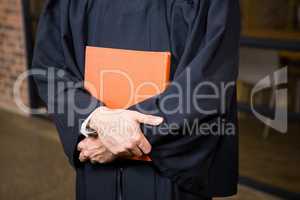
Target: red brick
12	52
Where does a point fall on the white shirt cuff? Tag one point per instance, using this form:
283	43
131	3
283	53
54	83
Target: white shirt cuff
84	130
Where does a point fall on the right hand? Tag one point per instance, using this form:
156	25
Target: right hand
119	130
92	149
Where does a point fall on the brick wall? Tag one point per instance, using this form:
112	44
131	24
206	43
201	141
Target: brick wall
12	53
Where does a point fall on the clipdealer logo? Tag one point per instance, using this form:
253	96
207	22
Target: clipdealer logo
280	95
275	81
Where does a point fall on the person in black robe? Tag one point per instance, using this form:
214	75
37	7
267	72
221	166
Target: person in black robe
203	38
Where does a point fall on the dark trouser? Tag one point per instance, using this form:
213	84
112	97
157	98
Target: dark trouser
127	181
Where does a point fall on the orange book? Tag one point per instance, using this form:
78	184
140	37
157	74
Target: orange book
121	78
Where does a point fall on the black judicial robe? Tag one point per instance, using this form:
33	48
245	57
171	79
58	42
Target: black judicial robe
203	37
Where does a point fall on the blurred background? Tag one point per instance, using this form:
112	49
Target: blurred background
32	163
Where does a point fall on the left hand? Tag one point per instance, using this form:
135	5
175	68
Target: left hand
92	149
120	132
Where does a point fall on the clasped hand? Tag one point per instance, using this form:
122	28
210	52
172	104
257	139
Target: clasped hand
119	135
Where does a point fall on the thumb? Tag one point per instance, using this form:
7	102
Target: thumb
148	119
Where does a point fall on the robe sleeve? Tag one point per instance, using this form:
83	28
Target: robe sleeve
185	144
58	76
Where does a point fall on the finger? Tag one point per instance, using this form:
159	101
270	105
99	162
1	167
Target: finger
120	152
92	144
82	158
92	147
81	145
84	143
96	159
148	119
96	153
103	159
87	153
133	148
136	151
144	145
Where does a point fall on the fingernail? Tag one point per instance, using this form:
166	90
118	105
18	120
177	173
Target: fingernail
148	150
159	120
